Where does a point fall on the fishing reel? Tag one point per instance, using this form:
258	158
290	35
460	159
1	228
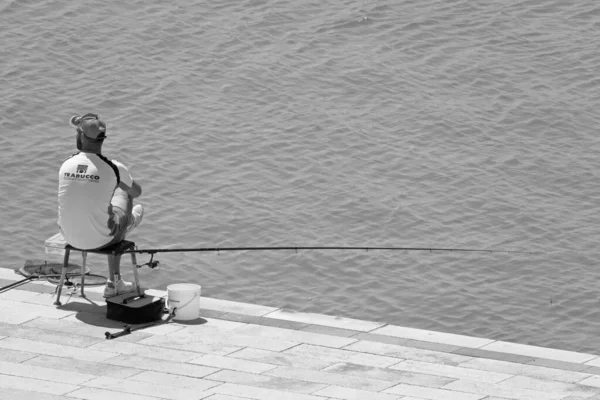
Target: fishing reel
152	264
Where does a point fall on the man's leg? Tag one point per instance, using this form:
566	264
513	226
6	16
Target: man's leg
122	204
114	268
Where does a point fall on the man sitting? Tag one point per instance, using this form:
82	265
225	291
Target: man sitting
95	199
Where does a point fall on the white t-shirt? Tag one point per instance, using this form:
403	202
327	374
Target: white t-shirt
86	184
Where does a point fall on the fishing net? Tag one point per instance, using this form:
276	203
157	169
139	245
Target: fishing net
51	272
43	269
75	280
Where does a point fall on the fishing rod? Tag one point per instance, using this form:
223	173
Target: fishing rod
155	264
297	248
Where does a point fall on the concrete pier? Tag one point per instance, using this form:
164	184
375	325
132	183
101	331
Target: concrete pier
241	351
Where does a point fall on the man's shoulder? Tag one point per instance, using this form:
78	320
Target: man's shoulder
112	162
72	159
120	165
74	155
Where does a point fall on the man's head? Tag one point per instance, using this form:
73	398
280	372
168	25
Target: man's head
91	132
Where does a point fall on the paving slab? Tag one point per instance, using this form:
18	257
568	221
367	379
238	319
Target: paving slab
47	336
234	364
327	330
296	336
35	385
343	355
544	385
89	393
131	348
387	374
11	314
244	351
266	381
539	352
325	320
63	365
221	344
169	367
16	356
43	373
331	378
9	275
495	355
503	391
405	352
20	394
342	392
418	344
225	397
534	371
235	307
432	393
591	370
432	336
259	393
276	358
143	388
176	381
252	319
24	296
451	371
55	349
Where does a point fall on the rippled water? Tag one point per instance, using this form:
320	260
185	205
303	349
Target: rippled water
362	123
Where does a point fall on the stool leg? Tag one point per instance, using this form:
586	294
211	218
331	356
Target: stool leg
84	258
63	274
135	274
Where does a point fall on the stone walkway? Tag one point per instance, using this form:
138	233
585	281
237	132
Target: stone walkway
244	351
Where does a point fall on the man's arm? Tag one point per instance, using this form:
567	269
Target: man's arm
126	182
135	190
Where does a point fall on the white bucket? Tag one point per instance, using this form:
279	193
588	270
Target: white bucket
186	298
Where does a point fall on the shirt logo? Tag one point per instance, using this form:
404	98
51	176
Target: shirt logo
81	175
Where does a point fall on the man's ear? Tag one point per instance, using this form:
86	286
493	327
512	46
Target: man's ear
79	144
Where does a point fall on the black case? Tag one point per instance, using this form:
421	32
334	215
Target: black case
133	308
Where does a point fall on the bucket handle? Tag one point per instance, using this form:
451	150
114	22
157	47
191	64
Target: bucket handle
173	312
